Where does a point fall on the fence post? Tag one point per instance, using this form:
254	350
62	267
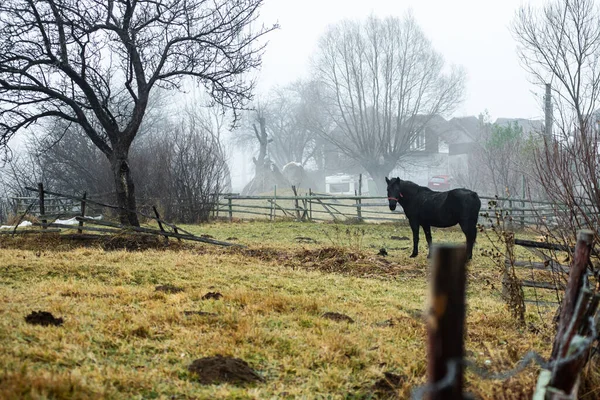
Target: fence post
359	201
297	206
230	206
310	203
160	225
274	202
510	214
523	201
509	257
445	322
42	205
577	272
83	203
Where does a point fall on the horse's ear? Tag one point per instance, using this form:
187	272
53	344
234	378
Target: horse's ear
387	180
399	180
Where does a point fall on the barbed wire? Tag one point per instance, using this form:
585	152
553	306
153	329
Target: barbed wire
447	381
450	378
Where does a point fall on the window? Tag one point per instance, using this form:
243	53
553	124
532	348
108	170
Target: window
418	143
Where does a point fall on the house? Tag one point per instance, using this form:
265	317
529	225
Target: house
447	147
428	155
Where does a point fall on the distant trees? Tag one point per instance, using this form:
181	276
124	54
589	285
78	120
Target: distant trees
291	115
381	82
501	153
94	65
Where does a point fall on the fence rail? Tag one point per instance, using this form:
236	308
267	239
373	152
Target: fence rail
322	207
318	207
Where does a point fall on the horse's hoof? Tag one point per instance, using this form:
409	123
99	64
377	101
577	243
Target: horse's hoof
413	255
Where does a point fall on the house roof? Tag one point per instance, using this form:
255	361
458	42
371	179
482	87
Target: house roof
530	126
462	130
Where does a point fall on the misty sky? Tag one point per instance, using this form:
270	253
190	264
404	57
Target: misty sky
471	33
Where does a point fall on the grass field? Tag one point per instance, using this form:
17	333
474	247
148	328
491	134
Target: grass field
123	339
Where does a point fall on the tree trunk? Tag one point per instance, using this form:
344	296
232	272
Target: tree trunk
125	189
379	173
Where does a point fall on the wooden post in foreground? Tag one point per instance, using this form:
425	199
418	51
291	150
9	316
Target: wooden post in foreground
576	277
42	205
83	202
445	322
576	307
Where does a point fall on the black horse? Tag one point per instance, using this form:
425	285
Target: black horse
426	208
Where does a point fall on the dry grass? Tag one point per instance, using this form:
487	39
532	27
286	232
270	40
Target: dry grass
121	338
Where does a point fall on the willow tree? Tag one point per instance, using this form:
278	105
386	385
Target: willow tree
382	82
95	63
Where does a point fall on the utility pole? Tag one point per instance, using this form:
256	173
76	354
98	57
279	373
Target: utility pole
548	112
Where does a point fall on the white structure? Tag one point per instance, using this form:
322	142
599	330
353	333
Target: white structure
345	184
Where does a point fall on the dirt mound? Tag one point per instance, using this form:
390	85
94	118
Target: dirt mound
168	289
338	317
53	241
134	242
221	369
212	296
43	318
334	260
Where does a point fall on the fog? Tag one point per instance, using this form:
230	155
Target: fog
473	34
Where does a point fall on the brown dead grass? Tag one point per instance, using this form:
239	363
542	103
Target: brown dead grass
123	339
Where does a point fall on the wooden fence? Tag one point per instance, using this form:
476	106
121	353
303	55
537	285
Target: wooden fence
572	345
97	226
322	207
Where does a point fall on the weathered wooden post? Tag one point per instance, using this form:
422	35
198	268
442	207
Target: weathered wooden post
510	214
310	204
160	225
509	257
42	205
445	322
359	201
575	307
523	201
576	277
230	206
82	208
297	206
274	205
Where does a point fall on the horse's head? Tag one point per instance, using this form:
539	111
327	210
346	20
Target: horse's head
394	191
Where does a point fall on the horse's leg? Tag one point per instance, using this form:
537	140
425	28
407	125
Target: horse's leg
427	230
469	228
414	225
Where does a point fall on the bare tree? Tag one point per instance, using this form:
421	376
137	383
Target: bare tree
560	44
383	82
199	170
289	114
95	63
178	161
